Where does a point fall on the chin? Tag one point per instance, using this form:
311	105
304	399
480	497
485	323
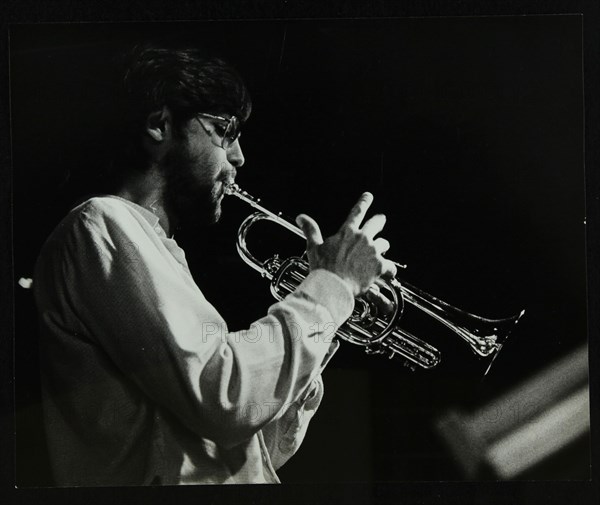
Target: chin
193	216
215	217
218	214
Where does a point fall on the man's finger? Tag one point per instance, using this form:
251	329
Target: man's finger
381	245
389	270
358	212
381	302
374	225
311	230
380	283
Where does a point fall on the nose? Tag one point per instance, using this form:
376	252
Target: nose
235	155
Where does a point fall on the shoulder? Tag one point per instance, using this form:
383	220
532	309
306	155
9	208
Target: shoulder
92	227
106	207
110	212
98	217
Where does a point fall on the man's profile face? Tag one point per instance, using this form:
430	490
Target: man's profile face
196	172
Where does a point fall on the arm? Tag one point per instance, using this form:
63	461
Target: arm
139	306
284	436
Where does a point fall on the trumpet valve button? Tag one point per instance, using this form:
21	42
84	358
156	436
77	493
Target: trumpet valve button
373	349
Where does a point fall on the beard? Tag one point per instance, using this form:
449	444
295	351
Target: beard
191	200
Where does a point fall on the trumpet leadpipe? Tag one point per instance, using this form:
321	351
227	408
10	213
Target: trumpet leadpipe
235	190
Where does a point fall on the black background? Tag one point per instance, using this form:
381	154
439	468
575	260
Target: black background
469	131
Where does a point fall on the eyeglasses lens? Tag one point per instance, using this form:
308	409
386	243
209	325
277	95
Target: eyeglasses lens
232	132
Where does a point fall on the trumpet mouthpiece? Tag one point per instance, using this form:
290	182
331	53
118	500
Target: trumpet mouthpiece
232	189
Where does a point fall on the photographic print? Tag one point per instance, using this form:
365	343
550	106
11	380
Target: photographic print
423	320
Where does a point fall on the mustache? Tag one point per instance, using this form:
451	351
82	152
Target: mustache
228	176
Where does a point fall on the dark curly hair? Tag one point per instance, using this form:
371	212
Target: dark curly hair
184	79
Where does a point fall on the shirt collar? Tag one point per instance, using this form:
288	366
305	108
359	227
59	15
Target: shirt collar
152	218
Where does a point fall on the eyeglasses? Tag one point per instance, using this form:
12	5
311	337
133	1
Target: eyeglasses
229	132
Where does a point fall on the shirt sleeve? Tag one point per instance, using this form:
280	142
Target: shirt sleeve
135	302
284	436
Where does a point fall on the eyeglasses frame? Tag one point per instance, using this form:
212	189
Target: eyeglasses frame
233	120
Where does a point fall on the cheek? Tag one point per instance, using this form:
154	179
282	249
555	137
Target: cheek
208	164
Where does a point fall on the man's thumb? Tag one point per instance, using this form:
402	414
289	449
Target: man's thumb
310	228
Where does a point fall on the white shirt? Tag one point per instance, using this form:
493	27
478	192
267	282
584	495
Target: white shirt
142	381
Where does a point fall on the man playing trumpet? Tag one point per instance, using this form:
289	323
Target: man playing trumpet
142	381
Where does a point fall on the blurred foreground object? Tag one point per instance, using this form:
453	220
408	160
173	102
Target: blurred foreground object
522	428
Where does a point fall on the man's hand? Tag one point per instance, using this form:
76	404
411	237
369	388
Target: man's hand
353	253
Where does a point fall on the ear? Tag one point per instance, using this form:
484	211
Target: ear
158	124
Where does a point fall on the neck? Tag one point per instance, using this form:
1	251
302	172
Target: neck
147	190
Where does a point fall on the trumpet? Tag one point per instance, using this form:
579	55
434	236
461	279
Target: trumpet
367	326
